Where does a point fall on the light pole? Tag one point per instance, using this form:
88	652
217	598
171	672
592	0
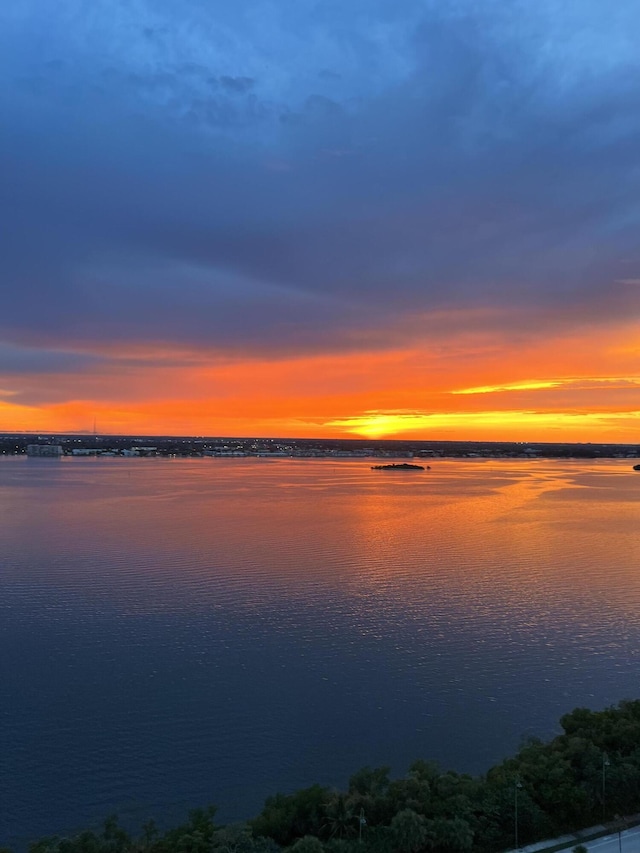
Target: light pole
517	785
605	764
361	822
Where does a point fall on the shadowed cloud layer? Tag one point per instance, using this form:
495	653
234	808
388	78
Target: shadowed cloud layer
196	186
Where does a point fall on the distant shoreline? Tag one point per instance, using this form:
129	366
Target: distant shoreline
12	444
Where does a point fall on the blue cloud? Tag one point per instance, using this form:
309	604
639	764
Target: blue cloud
302	174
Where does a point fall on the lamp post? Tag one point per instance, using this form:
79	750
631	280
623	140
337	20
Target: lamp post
361	822
605	764
517	785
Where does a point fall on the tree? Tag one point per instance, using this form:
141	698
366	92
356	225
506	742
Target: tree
149	831
409	831
307	844
340	820
234	838
373	782
369	790
195	836
286	818
116	838
451	834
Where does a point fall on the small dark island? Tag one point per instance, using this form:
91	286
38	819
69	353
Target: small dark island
398	466
636	467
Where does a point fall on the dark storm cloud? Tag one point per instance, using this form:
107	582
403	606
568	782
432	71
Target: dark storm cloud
302	175
18	361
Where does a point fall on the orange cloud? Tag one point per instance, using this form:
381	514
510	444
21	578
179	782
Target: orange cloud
464	386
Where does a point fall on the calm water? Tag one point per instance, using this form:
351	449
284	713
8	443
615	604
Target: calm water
175	633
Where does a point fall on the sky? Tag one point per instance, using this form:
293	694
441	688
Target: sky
321	218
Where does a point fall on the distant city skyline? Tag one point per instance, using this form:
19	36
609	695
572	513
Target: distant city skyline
312	219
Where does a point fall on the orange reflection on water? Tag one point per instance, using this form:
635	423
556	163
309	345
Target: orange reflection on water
497	540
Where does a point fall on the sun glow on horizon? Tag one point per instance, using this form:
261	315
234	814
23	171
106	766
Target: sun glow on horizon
388	425
435	391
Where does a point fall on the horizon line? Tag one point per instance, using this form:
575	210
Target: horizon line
364	439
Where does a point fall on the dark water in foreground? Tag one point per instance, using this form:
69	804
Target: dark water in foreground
174	633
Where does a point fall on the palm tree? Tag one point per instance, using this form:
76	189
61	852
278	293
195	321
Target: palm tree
340	819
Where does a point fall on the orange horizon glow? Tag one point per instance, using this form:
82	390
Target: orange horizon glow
457	388
159	418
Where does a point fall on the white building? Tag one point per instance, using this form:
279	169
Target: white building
44	450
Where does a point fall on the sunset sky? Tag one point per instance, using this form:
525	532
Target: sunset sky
321	218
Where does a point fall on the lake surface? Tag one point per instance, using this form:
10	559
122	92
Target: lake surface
180	632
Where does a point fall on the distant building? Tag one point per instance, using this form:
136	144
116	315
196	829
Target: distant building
44	450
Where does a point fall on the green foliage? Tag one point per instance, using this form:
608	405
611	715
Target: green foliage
410	793
114	838
340	820
48	844
307	844
409	831
238	838
341	845
616	729
372	782
286	818
542	791
369	790
453	834
149	832
195	836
